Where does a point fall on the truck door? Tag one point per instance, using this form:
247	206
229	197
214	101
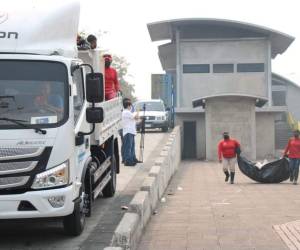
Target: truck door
79	105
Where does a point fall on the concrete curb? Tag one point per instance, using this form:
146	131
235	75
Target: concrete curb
128	232
143	204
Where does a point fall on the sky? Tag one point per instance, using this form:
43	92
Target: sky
125	26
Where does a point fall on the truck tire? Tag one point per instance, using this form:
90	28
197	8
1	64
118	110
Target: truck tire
165	129
75	222
110	187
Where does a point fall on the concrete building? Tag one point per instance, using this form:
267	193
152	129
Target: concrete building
223	82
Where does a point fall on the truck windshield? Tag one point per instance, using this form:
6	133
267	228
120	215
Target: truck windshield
35	92
150	106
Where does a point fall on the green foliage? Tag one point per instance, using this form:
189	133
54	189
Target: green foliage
121	66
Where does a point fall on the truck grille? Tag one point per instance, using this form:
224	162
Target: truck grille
8	182
17	167
149	118
14	153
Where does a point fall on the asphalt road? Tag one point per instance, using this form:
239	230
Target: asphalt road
49	234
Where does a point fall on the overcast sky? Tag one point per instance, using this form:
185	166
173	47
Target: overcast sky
127	34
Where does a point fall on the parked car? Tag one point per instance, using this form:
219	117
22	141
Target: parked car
155	114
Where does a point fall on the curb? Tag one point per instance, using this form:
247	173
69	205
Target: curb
143	204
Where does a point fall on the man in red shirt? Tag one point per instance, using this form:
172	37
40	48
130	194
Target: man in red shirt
112	86
228	149
292	151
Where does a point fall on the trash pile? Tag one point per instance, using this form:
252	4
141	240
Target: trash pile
266	172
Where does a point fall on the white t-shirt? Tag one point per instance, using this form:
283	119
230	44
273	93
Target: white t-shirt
128	122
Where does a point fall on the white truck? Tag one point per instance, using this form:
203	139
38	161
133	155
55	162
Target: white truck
58	137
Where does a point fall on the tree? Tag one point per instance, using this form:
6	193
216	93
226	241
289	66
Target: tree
121	66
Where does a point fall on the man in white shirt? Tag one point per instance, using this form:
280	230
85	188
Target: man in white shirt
129	132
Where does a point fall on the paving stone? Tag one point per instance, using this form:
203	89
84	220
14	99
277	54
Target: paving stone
211	214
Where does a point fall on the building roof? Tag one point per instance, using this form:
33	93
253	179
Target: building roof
281	79
200	102
165	30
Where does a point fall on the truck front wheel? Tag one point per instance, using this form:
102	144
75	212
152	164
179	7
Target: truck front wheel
110	187
74	223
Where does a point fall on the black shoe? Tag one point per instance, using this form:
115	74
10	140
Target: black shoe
291	178
130	164
232	177
137	161
227	175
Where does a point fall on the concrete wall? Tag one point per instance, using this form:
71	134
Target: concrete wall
167	55
199	85
235	115
199	118
128	233
293	100
265	135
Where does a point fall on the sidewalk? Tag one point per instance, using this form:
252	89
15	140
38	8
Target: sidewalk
211	214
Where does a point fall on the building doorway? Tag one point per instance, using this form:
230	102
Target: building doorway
189	140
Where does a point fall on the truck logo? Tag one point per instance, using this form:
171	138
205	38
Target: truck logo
23	143
3	17
9	34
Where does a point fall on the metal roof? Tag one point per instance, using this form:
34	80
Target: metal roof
165	30
284	80
200	102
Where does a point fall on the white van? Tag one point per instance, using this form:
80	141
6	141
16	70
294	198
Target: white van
154	113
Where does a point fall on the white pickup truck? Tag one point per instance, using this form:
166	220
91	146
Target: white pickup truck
58	136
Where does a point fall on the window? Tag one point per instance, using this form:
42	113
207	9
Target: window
35	92
150	106
223	68
279	98
78	93
250	67
196	68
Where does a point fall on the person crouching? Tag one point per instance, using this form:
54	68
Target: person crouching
228	149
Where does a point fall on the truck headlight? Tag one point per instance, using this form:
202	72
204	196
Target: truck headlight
54	177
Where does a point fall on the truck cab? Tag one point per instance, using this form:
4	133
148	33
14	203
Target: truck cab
58	136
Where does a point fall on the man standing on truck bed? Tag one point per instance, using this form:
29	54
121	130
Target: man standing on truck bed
112	86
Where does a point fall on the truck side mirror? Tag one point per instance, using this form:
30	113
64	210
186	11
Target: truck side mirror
94	115
94	87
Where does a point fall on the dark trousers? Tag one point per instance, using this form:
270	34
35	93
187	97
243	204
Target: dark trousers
129	149
294	168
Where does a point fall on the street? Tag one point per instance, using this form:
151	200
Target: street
48	234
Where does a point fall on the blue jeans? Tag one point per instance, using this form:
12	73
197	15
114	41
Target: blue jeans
294	168
122	149
129	149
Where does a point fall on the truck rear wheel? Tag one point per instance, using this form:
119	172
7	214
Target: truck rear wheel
110	187
165	129
74	223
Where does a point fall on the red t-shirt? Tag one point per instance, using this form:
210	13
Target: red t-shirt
227	148
293	148
112	85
